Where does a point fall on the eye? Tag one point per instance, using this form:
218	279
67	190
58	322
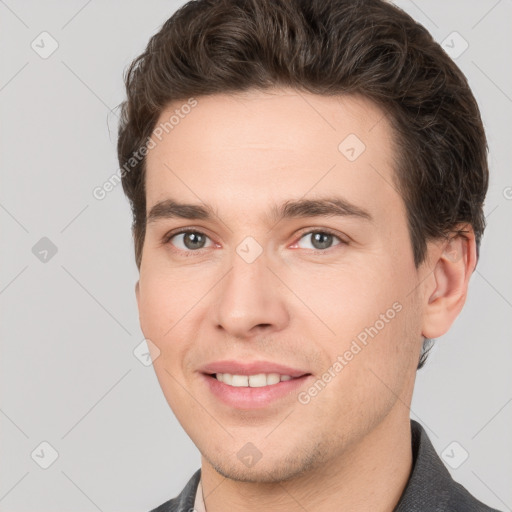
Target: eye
320	240
193	241
188	240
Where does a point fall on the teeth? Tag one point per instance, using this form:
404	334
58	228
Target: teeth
253	381
273	378
258	381
240	381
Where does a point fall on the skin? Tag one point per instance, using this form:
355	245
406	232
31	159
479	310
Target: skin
349	448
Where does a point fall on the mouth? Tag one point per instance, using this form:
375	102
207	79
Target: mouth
257	380
248	386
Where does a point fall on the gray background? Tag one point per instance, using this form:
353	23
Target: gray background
69	325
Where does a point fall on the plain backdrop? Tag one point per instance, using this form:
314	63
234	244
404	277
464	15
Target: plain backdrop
69	324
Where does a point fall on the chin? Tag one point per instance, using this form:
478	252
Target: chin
267	471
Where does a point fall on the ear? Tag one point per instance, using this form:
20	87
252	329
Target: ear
137	292
452	262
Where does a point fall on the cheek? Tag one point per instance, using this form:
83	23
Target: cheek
371	315
368	369
171	313
162	313
153	309
167	292
348	298
162	302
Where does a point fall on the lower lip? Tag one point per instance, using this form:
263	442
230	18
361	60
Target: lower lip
253	398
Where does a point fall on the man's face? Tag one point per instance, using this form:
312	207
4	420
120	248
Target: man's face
305	290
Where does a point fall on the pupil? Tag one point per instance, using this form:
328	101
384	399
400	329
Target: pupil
322	239
193	241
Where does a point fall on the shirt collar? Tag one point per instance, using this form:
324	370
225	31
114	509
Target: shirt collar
199	501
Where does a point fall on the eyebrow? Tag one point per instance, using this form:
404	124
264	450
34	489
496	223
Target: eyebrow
322	207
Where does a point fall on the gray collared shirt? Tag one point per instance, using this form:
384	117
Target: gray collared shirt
430	487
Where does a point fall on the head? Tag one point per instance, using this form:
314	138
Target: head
263	117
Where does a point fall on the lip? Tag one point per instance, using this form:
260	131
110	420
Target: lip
251	368
253	398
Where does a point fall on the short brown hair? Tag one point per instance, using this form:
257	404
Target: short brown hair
326	47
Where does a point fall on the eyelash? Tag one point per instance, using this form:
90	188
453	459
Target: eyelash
169	236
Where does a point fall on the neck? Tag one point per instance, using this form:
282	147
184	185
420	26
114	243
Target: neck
370	476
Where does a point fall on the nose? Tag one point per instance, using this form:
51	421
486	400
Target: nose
251	299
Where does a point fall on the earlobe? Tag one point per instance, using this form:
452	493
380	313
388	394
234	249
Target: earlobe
137	291
454	264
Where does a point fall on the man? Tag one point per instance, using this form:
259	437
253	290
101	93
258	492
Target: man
307	181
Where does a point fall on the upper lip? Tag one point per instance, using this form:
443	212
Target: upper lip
251	368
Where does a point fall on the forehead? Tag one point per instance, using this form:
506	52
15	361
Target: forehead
264	146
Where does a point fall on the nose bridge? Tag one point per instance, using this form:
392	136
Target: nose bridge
249	295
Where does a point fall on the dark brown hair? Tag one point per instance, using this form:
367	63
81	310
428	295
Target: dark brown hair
327	47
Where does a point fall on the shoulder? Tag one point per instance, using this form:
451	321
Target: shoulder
461	500
430	487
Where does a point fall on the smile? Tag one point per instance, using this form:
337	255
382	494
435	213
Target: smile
257	380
